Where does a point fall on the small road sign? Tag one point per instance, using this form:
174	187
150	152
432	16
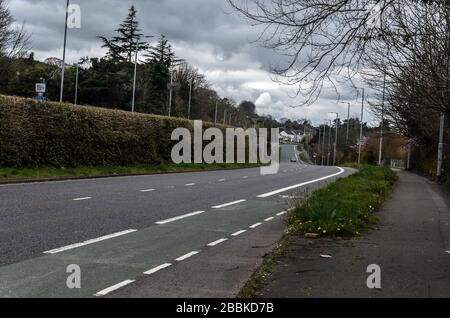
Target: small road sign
40	87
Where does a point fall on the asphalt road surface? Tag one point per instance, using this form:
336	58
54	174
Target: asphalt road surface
189	234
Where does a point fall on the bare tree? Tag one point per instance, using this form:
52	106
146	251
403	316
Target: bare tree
14	41
321	40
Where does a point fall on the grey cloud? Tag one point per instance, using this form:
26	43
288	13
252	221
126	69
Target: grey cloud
204	32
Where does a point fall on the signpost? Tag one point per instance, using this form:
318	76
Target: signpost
40	90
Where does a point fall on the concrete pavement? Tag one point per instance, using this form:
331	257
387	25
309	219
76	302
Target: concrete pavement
411	244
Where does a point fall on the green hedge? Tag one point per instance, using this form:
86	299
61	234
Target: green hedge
34	134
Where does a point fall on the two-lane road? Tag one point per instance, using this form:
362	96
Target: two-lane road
117	229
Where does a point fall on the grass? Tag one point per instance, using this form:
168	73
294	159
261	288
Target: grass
345	207
14	174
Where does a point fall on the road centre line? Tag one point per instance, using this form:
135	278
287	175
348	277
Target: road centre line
266	195
254	226
281	213
177	218
190	184
88	242
108	290
228	204
269	219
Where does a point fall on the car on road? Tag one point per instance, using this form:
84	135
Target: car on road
293	159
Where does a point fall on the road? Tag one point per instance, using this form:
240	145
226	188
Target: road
214	225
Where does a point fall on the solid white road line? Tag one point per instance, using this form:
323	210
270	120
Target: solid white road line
157	269
82	199
188	255
77	245
266	195
217	242
254	226
148	190
179	217
108	290
238	233
269	219
281	213
228	204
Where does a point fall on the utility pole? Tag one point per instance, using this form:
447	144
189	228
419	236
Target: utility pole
64	54
361	130
190	98
135	76
441	147
76	84
171	93
380	156
224	117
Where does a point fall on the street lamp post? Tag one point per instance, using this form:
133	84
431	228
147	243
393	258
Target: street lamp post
348	123
380	155
171	93
323	144
76	84
361	130
329	141
190	98
336	139
320	132
215	116
64	54
135	76
224	117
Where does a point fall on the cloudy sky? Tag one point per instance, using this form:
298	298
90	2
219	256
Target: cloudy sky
206	33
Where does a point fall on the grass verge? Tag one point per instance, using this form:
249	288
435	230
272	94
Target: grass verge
343	208
31	174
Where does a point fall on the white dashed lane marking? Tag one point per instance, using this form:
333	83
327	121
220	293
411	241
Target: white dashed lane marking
108	290
88	242
157	269
177	218
188	255
228	204
217	242
82	199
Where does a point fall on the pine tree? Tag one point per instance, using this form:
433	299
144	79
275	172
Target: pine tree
123	46
162	53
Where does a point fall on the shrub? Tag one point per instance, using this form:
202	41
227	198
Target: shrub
34	134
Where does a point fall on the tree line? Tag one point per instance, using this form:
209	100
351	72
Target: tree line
164	83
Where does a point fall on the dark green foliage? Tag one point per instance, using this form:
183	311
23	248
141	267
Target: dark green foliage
36	134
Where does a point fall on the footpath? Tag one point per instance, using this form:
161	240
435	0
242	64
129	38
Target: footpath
410	244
